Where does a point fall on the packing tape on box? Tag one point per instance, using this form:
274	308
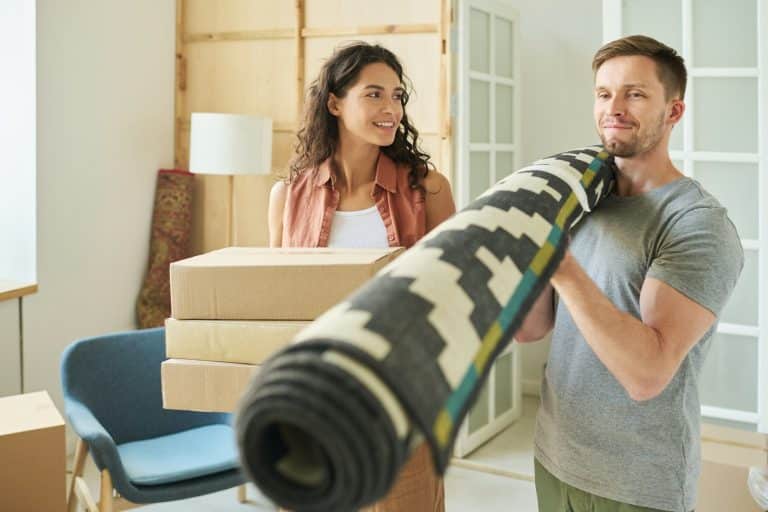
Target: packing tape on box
329	421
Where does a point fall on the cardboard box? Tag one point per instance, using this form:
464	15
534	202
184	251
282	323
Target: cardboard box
206	386
727	454
32	454
255	283
228	341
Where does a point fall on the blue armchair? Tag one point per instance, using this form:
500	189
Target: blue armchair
147	454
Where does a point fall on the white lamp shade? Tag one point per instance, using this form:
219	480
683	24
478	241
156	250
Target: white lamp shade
230	144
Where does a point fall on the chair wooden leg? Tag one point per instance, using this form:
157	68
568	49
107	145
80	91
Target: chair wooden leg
241	494
83	495
81	453
105	495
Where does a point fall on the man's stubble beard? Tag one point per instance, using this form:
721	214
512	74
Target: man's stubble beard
639	144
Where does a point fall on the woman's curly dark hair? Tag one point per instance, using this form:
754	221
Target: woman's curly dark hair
318	136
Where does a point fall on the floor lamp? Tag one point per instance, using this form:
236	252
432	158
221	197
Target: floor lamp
229	144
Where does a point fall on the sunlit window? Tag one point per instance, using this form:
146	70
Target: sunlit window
17	140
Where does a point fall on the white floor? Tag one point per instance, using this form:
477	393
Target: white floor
467	490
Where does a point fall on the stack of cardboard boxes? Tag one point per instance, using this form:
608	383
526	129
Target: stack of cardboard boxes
233	308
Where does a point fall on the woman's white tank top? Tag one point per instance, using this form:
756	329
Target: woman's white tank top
361	229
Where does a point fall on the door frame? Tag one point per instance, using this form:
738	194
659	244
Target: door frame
466	442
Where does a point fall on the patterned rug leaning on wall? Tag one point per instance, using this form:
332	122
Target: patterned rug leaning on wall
169	241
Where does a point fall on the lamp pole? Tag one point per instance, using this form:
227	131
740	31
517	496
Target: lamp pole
231	210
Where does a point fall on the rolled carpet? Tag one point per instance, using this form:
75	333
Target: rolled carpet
329	421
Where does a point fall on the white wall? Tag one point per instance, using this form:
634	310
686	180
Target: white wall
105	75
17	139
558	40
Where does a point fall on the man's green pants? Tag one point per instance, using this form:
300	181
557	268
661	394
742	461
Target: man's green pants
556	496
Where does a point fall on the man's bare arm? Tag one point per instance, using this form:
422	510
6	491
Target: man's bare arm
540	319
642	354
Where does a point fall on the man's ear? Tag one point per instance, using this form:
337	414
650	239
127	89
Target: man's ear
333	104
676	111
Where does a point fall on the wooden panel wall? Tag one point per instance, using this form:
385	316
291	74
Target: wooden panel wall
258	57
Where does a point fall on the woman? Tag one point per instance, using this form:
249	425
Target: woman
359	180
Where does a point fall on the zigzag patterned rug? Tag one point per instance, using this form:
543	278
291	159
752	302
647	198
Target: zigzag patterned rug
329	421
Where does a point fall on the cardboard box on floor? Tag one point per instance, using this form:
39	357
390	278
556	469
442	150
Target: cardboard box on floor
727	454
32	454
256	283
228	341
205	386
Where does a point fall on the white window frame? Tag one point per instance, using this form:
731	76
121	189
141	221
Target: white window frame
612	29
467	442
463	145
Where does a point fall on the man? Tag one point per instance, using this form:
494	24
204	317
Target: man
639	293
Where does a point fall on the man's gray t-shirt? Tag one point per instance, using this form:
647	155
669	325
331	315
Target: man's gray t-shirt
590	433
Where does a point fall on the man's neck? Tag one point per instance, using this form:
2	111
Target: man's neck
642	173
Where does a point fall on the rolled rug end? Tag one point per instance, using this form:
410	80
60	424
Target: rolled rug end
312	440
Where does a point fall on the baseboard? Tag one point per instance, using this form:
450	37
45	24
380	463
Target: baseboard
493	470
531	387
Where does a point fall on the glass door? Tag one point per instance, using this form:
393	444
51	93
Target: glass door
487	143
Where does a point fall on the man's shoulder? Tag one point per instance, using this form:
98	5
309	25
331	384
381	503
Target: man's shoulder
689	204
687	193
700	223
695	202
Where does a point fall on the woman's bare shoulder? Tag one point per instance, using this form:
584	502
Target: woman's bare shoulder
279	190
435	182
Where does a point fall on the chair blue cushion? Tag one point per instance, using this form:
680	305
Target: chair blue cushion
172	458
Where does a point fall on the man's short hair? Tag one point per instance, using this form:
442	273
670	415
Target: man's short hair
669	65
